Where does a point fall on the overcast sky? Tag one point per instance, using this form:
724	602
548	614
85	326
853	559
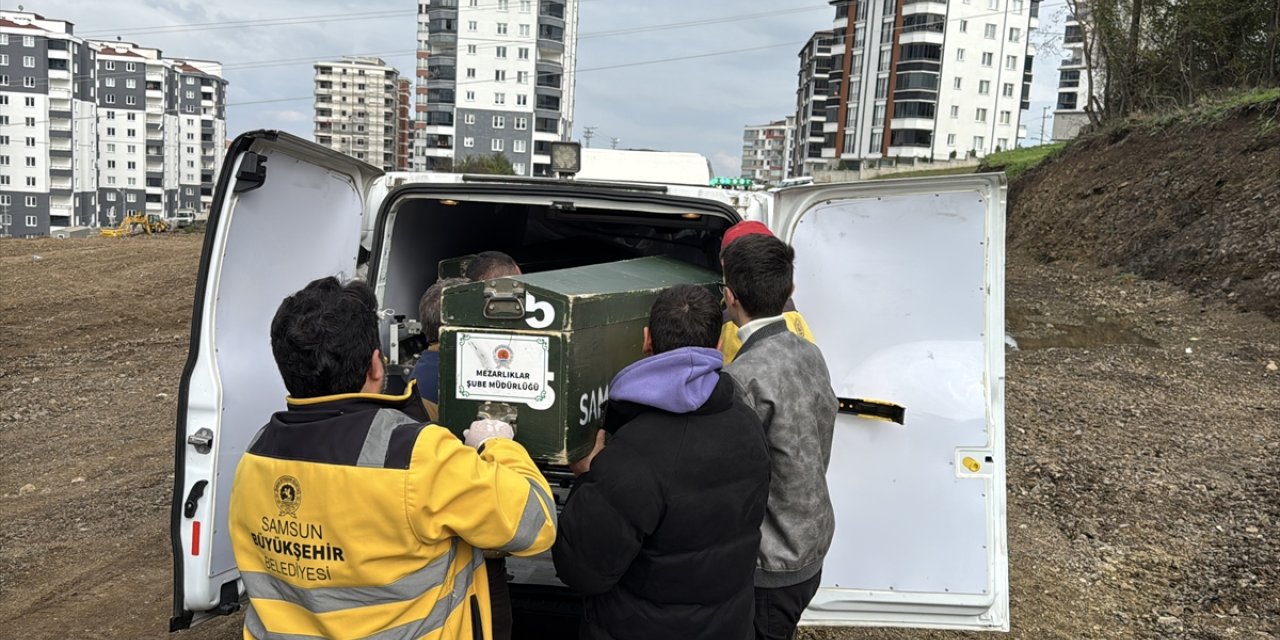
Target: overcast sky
694	104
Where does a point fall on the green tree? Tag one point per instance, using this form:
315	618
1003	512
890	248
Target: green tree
495	164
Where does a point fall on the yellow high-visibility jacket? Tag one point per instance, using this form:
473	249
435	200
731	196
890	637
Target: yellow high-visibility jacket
730	343
351	518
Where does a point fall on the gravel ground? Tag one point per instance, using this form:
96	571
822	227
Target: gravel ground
1144	450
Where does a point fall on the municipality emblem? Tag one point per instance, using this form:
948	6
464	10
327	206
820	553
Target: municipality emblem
503	355
288	495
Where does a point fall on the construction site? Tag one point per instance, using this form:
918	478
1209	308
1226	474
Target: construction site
1143	401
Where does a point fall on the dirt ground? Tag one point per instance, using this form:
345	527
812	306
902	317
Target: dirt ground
1144	450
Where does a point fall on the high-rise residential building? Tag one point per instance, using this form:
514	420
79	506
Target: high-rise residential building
928	79
357	109
494	76
47	125
766	150
1074	77
811	105
92	131
404	123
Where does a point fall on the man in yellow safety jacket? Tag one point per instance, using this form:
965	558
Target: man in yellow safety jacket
351	516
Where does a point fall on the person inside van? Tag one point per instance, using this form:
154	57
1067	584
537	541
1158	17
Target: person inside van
426	373
488	265
662	527
729	341
786	380
350	515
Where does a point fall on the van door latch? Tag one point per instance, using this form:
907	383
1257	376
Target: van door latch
504	299
202	440
193	498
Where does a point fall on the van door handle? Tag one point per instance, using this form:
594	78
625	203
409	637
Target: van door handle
874	409
193	498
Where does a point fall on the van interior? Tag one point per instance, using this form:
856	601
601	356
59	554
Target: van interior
417	230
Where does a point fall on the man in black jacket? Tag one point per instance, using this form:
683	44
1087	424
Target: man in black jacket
662	528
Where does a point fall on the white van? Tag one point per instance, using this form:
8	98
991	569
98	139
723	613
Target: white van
902	282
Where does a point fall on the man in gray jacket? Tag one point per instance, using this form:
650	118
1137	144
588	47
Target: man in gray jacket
785	379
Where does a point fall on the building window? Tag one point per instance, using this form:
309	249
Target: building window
131	197
989	31
31	220
471	49
1015	34
526	6
473	26
984	87
979	142
886	57
129	66
964	26
4	140
1005	117
521	123
111	164
111	131
132	166
951	139
471	72
110	99
109	82
470	118
6	200
31	181
4	38
28	62
31	161
499	75
1007	90
960	55
499	98
499	122
994	5
468	142
30	122
522	100
524	30
109	65
4	80
519	146
29	82
470	96
31	142
523	53
191	80
981	115
877	116
131	132
502	28
496	144
1016	5
877	139
130	83
522	77
1011	63
500	52
956	84
987	58
4	161
31	201
133	100
28	41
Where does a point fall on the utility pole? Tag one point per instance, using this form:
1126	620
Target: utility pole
613	142
587	134
1044	115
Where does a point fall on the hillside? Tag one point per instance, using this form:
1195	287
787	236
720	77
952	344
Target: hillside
1191	198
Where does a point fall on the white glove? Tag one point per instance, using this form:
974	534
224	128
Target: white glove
482	430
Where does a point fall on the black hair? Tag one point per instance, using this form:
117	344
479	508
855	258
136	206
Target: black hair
429	307
684	315
488	265
324	336
759	270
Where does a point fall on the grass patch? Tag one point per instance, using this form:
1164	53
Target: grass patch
949	171
1016	161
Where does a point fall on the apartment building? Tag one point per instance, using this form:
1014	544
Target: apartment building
494	76
404	123
766	150
47	125
357	109
92	131
812	93
1069	117
927	78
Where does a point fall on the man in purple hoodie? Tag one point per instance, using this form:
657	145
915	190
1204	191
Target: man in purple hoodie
662	528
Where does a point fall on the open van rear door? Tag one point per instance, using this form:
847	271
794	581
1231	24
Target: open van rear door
285	212
902	282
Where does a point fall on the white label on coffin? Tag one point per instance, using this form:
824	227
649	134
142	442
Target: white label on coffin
504	368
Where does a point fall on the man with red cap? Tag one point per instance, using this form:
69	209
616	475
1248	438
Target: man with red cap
729	340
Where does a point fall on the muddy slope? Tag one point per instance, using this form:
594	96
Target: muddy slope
1195	203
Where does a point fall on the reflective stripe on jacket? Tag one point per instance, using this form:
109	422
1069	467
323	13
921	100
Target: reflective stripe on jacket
350	518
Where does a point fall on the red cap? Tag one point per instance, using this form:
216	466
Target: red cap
748	228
